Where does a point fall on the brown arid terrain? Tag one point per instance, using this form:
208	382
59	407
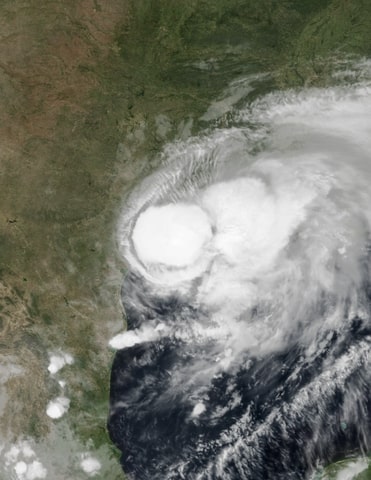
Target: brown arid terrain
90	91
59	286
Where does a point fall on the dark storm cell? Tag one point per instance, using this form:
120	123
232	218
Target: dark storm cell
141	305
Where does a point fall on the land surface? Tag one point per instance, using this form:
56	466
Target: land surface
90	93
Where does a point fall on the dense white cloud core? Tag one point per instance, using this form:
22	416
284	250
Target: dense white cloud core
247	219
249	289
172	235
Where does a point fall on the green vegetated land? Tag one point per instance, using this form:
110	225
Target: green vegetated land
90	92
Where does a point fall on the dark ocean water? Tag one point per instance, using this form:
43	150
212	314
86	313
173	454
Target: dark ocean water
268	432
247	351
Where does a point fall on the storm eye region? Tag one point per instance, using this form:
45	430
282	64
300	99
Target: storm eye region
173	235
236	223
248	296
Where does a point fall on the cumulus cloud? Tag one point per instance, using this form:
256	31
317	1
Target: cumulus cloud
58	407
21	460
90	465
58	360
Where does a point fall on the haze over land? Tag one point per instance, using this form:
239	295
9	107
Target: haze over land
91	91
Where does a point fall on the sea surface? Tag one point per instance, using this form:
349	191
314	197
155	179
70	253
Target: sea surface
248	292
203	168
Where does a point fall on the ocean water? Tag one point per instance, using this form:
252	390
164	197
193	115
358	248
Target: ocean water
248	292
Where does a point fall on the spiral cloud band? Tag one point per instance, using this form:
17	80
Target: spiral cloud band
248	296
